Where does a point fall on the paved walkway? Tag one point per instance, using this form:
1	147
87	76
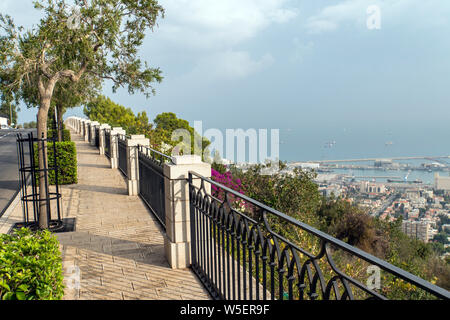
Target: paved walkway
118	246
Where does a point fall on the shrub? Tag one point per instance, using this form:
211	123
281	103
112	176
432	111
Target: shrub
30	266
66	135
66	161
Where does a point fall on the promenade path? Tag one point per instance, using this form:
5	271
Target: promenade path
118	246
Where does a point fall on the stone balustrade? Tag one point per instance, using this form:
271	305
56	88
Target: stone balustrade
176	188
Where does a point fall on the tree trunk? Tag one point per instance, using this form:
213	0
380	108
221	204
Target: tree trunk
60	113
43	163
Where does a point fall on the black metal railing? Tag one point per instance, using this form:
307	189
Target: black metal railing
243	249
108	144
97	137
89	132
122	153
151	181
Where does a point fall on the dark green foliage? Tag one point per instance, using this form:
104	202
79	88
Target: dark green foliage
66	135
219	167
30	266
104	110
298	196
67	162
442	238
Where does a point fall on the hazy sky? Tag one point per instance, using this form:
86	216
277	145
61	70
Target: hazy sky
312	69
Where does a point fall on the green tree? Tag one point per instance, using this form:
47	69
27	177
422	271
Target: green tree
172	132
104	44
104	110
442	238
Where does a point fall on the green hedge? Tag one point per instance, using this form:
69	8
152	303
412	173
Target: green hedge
30	266
66	134
67	162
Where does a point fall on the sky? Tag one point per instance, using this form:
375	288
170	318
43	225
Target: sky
317	70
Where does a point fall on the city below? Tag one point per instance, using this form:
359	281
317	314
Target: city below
417	191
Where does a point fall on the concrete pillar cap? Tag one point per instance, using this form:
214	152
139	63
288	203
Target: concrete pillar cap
187	159
137	136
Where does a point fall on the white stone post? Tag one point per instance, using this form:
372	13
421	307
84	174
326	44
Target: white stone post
94	124
86	130
114	146
133	162
78	121
177	241
82	127
102	130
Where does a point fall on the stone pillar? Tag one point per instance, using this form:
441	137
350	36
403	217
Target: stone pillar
114	147
78	125
102	130
133	162
94	124
82	128
86	130
177	241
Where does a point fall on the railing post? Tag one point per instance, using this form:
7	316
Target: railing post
177	241
114	147
86	130
133	162
82	128
94	124
101	132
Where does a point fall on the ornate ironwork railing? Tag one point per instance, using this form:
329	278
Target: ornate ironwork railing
122	153
89	132
97	137
151	181
243	249
108	144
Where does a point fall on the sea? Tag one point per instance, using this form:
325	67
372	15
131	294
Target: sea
345	144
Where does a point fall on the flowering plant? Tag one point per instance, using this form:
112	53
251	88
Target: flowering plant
228	181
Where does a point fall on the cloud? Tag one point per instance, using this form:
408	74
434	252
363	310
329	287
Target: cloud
207	24
393	12
232	65
331	17
301	50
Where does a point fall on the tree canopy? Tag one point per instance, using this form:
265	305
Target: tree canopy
104	110
99	39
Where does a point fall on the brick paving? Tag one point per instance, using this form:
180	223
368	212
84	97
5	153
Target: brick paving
118	246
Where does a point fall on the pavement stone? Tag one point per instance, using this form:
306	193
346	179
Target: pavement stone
118	245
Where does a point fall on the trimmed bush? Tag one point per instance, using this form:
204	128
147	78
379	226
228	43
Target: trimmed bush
66	134
30	266
67	162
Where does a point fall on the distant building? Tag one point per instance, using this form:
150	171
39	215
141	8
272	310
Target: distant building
417	229
441	183
329	191
3	121
383	163
308	165
372	187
